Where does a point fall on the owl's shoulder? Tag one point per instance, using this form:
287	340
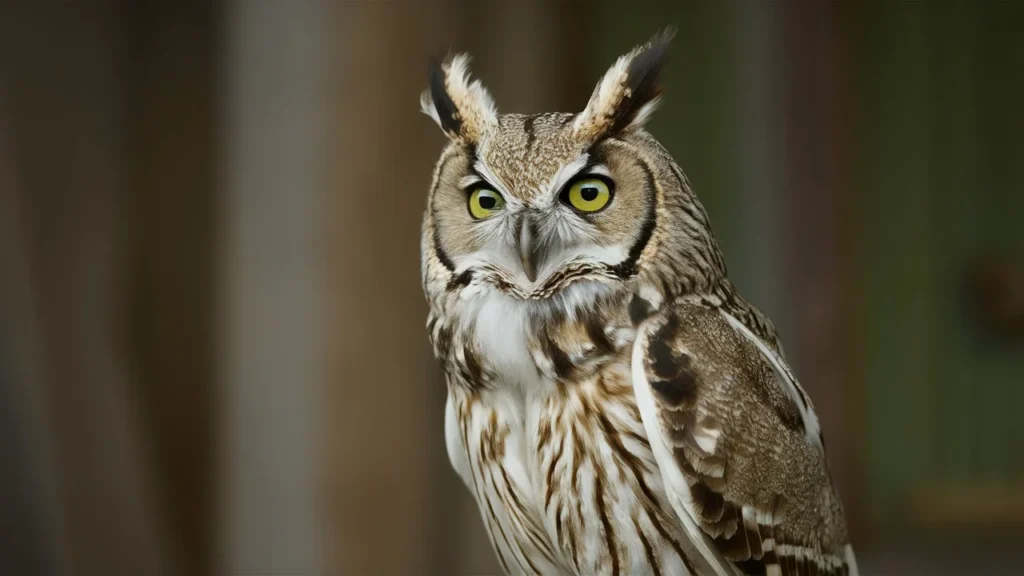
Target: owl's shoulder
732	361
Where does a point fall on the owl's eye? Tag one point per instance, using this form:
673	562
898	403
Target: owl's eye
588	195
484	202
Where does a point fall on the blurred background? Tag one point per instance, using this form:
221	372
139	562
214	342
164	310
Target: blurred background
212	348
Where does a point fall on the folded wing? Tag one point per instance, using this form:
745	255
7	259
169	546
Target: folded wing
738	446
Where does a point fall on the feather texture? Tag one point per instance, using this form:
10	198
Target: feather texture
766	500
628	93
460	106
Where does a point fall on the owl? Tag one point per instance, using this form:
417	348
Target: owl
614	405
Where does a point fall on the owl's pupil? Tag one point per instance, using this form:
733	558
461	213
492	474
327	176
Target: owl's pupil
487	202
589	193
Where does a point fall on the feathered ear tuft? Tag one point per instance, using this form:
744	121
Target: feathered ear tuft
629	91
462	108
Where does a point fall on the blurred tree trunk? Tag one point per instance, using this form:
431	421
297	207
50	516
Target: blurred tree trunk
387	477
817	226
172	50
273	325
63	97
27	543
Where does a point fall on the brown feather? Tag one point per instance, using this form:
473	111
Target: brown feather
739	395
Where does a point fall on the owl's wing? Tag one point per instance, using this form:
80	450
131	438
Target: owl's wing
738	446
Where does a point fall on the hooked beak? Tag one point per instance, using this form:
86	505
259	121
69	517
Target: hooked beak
526	245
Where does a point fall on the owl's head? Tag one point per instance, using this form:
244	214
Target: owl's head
531	204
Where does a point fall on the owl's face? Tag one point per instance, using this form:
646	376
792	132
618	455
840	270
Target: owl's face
530	205
532	208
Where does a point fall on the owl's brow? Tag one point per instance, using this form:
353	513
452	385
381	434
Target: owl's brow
474	177
482	171
470	180
597	170
567	172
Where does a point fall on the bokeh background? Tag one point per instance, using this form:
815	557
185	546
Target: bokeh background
212	352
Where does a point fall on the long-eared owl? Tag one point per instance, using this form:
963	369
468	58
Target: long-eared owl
614	406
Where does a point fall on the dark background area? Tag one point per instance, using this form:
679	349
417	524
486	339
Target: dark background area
212	348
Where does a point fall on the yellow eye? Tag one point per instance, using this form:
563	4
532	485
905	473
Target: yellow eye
589	195
484	202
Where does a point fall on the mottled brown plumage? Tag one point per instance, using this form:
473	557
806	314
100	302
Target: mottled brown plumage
757	483
614	405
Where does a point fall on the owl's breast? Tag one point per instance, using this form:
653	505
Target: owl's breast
543	427
563	474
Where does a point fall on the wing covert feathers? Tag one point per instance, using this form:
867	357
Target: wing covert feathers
732	447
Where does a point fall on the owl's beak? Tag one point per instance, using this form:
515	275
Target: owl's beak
526	245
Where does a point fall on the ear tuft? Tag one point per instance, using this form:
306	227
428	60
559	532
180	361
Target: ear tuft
436	103
462	108
629	91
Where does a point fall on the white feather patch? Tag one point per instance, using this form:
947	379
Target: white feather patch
675	484
499	325
645	112
564	174
456	448
706	438
652	295
428	108
851	561
473	93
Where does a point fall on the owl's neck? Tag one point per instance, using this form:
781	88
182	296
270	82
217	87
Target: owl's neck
488	339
